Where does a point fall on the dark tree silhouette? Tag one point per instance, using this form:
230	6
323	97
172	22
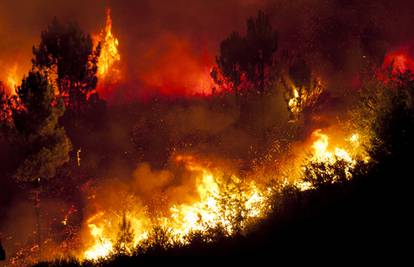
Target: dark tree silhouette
261	41
231	60
68	55
45	144
393	125
250	56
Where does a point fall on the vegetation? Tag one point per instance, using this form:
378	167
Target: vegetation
69	56
45	145
342	215
249	57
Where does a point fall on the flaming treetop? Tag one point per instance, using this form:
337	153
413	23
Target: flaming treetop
109	51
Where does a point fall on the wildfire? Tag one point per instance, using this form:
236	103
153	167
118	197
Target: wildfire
222	201
13	79
321	152
109	56
302	98
226	203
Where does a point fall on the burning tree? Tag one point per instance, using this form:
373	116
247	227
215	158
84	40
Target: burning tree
68	55
302	90
109	58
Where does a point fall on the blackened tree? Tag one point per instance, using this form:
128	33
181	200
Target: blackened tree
68	54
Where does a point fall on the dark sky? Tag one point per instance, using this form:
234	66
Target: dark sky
155	34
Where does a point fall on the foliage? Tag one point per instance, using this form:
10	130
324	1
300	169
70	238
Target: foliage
303	92
249	57
231	60
68	55
262	44
386	117
45	145
321	173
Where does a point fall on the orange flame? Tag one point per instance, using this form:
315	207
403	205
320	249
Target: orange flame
108	68
13	79
219	203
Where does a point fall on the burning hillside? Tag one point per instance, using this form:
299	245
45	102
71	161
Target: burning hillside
163	136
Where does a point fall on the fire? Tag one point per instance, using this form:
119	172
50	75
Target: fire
321	152
101	248
221	201
216	205
399	61
13	79
226	203
110	55
301	98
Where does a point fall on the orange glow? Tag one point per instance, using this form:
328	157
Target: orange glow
172	67
13	79
231	204
109	72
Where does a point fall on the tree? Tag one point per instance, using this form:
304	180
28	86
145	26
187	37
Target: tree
231	60
68	55
303	92
4	107
45	146
392	125
251	56
261	41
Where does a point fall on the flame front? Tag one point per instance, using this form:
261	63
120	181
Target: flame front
226	203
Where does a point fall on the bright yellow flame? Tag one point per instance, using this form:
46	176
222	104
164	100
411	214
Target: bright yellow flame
102	246
109	50
300	98
229	204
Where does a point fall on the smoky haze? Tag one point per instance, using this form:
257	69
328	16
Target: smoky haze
169	47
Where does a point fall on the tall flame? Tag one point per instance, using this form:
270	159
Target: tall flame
109	51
